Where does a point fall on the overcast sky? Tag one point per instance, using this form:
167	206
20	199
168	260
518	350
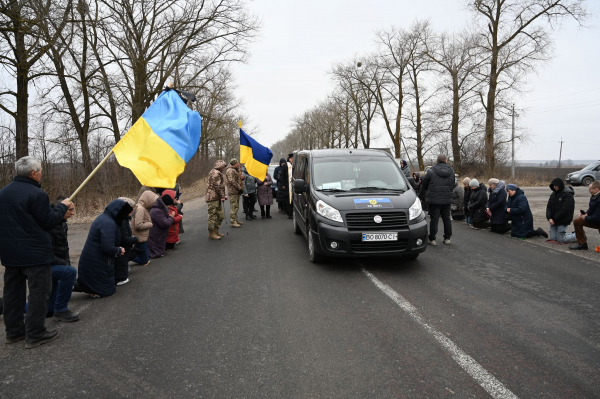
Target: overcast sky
301	40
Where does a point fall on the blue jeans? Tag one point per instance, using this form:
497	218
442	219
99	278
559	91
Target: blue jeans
469	219
63	278
144	256
558	233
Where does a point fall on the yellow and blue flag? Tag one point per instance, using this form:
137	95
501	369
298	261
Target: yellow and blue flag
256	156
159	145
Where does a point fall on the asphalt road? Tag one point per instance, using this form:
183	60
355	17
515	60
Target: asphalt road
249	316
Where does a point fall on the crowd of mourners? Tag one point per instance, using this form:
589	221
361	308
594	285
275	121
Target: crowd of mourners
502	207
34	249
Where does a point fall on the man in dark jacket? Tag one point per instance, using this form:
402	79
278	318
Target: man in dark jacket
26	252
276	172
559	210
437	188
405	168
63	274
590	219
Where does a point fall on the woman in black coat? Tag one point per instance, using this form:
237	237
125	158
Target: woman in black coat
280	183
477	203
97	261
466	199
127	242
496	205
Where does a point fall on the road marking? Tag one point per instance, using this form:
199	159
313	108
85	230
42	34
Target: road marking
487	381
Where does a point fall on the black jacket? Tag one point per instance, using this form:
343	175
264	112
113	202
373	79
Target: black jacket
520	215
283	195
60	243
477	203
438	184
25	219
497	203
127	242
561	204
97	262
467	198
593	212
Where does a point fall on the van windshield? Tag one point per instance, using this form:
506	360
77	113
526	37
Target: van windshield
354	173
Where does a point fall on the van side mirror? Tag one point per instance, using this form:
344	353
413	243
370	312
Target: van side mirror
299	185
412	183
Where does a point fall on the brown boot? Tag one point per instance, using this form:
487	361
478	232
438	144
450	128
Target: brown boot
238	222
219	234
212	235
235	224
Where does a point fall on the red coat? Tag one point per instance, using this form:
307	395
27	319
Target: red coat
173	236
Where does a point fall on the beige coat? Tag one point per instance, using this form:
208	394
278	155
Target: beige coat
141	222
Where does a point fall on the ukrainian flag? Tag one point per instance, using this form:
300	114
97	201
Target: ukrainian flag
256	157
161	142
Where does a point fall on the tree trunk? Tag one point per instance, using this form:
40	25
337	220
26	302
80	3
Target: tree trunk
21	128
490	111
455	121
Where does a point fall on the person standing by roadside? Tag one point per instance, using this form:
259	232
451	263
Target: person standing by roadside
520	214
559	211
215	196
405	168
436	189
141	224
279	176
249	193
591	218
26	253
265	196
496	206
234	188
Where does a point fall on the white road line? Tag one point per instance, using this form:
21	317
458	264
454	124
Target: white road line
487	381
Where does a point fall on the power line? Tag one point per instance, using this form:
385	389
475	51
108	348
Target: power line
564	95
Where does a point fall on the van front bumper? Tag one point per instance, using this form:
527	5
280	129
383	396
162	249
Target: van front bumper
411	240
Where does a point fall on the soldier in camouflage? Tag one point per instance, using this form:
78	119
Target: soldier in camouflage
234	187
215	196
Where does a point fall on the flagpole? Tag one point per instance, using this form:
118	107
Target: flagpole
90	176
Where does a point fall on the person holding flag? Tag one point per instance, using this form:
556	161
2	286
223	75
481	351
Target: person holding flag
255	156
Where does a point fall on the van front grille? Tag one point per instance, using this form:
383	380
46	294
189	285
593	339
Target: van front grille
365	220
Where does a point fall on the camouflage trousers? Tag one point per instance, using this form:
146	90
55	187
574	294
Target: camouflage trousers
215	215
234	200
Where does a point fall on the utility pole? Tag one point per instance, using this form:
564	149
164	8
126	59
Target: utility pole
560	154
513	142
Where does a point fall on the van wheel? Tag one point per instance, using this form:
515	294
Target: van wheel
586	181
313	256
410	257
294	224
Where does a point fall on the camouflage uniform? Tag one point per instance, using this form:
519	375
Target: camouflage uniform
234	186
215	190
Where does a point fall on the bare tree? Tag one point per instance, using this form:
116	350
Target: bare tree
458	60
516	37
23	45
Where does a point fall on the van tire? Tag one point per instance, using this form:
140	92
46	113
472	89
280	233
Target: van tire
313	256
294	223
586	181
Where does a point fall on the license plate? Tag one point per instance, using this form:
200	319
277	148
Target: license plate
379	237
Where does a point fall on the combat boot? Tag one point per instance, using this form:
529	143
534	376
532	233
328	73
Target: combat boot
238	222
219	234
212	235
235	224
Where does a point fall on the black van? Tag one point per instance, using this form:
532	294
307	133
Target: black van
351	202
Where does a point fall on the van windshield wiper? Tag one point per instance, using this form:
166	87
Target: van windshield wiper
376	188
331	190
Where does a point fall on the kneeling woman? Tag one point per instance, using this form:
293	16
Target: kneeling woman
97	262
520	214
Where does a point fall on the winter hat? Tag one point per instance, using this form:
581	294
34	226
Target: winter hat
493	181
167	199
474	183
466	180
233	161
512	187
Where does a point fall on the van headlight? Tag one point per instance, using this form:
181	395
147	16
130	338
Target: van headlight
415	210
328	212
